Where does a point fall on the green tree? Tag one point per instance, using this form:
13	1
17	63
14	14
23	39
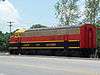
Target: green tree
67	11
92	10
97	23
6	37
38	26
98	37
4	41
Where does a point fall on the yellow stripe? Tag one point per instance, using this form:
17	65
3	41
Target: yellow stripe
73	47
47	41
13	47
55	41
12	42
44	41
73	40
42	47
40	41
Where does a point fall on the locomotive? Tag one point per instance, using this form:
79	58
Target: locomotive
79	41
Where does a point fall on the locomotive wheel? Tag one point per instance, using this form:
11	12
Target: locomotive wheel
11	52
14	52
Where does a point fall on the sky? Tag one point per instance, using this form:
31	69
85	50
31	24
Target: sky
24	13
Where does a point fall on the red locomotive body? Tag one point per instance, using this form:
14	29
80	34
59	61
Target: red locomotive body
88	36
65	41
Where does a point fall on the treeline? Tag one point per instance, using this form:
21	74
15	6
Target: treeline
4	41
73	12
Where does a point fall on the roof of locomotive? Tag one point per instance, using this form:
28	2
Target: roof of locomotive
53	28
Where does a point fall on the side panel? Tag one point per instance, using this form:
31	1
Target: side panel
42	38
67	41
